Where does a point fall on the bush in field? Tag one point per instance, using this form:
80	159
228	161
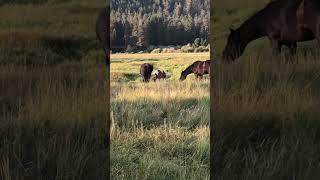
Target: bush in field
198	46
200	49
169	50
130	49
208	47
157	50
187	48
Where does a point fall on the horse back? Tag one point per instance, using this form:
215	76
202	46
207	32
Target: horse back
202	67
308	15
287	24
146	69
279	20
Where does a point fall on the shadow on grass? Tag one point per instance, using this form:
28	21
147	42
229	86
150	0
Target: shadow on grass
258	135
46	150
53	123
37	49
265	146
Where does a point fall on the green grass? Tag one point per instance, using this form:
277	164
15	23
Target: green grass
160	130
53	105
265	121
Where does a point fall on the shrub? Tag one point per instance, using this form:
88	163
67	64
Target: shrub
168	50
187	48
157	50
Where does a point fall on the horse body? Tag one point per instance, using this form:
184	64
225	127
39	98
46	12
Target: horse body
158	75
146	70
278	21
199	68
103	31
309	16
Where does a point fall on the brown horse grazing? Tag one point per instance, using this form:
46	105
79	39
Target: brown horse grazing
103	31
277	21
145	71
309	16
199	68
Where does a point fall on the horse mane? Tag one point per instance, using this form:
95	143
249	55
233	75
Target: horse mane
192	66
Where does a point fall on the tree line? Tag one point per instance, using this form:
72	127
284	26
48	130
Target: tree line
137	24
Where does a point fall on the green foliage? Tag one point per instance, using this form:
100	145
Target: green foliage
198	46
187	48
157	50
158	22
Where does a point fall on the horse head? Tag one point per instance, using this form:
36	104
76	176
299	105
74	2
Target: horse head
234	47
183	75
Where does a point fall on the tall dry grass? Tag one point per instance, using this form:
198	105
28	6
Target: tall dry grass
160	130
265	108
53	122
53	105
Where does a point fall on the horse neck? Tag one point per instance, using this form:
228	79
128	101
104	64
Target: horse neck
189	70
252	29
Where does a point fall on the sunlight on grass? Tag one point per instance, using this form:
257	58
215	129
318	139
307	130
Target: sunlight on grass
161	126
164	91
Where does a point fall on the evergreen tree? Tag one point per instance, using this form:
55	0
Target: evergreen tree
140	23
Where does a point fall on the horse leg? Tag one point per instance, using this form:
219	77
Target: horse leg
293	48
293	52
276	46
276	49
317	34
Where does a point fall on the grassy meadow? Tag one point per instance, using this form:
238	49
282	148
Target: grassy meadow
265	117
160	130
53	105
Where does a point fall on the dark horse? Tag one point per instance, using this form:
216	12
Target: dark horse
199	68
103	31
145	71
278	21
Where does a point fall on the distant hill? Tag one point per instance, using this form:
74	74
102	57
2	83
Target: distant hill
137	24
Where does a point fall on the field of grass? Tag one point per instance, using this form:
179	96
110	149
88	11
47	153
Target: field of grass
266	115
160	130
53	105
